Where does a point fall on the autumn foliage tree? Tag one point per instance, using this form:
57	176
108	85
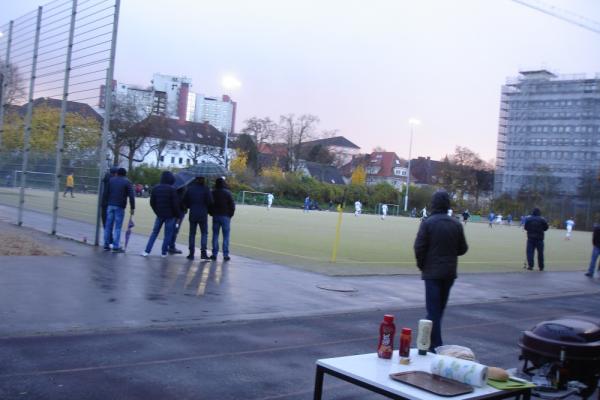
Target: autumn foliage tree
359	176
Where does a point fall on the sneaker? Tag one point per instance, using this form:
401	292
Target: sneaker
204	256
175	251
530	269
588	275
213	257
163	255
118	250
145	254
226	258
190	257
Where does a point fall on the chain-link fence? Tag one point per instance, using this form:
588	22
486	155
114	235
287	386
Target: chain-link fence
56	66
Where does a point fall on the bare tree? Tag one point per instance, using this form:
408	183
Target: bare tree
294	132
160	137
129	133
11	78
262	129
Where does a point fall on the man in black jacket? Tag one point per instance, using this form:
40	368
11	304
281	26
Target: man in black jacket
595	251
439	242
165	204
222	211
198	200
535	225
118	190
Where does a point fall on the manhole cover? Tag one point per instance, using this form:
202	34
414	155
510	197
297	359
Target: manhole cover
337	288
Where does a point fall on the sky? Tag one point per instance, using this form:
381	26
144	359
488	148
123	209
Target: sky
363	67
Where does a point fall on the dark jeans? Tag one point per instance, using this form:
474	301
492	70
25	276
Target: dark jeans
168	236
220	222
437	292
203	224
114	219
534	244
595	254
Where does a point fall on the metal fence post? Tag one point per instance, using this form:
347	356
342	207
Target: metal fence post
61	125
5	81
106	120
27	133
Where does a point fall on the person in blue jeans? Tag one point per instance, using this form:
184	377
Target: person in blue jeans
118	190
165	204
595	251
222	210
439	242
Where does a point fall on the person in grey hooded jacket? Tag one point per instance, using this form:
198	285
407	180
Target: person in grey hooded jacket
439	242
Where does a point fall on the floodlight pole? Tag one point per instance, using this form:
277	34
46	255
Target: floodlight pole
408	172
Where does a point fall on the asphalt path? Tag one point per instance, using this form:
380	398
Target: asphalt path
260	359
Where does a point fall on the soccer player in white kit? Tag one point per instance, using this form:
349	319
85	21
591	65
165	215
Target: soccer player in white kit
383	211
570	224
270	198
357	208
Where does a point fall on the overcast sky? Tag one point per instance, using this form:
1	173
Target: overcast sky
364	67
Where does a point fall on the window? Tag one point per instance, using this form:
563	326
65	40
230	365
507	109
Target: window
162	158
188	161
181	147
172	160
180	160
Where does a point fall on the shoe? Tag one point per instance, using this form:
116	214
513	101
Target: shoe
175	251
145	254
204	256
529	268
213	257
118	250
106	248
163	255
226	258
190	257
588	275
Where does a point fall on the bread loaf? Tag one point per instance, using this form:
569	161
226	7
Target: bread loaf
497	374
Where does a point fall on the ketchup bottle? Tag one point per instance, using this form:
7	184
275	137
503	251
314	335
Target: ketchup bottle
405	339
387	329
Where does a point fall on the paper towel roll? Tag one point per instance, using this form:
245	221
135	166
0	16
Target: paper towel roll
468	372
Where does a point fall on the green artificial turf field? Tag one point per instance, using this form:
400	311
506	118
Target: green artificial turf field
368	245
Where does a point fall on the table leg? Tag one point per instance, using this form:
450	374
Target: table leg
318	383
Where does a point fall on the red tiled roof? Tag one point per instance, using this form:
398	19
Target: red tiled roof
386	160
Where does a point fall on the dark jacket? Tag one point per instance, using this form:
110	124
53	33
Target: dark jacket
119	188
440	241
164	200
198	200
223	203
105	181
596	236
535	225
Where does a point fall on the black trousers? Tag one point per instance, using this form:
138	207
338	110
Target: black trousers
437	292
532	245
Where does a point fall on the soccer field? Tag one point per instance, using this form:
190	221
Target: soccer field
368	245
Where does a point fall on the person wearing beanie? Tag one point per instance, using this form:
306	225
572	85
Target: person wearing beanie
439	242
222	210
535	225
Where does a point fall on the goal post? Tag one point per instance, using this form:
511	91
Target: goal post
392	209
253	198
35	180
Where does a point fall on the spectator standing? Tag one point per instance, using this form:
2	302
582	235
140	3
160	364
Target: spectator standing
165	204
119	189
535	225
595	251
222	211
69	185
104	203
198	200
439	242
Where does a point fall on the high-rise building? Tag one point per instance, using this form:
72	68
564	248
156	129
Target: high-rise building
171	96
548	134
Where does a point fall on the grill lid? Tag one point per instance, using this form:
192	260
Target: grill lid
572	329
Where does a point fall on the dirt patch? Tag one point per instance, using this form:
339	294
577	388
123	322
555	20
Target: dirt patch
19	245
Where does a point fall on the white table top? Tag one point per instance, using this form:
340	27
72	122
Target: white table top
375	371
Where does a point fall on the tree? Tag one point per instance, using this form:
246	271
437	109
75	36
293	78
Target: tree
465	173
161	137
263	129
238	164
15	88
359	176
317	153
130	133
294	132
246	144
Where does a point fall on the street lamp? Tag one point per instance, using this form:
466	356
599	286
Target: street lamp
229	82
412	122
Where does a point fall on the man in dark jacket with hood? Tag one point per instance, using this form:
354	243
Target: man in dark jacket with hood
119	189
198	200
165	204
222	211
535	225
439	242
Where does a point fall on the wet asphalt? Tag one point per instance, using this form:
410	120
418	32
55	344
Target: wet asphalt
92	325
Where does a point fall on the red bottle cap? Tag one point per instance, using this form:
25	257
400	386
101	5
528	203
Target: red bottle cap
406	331
388	318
